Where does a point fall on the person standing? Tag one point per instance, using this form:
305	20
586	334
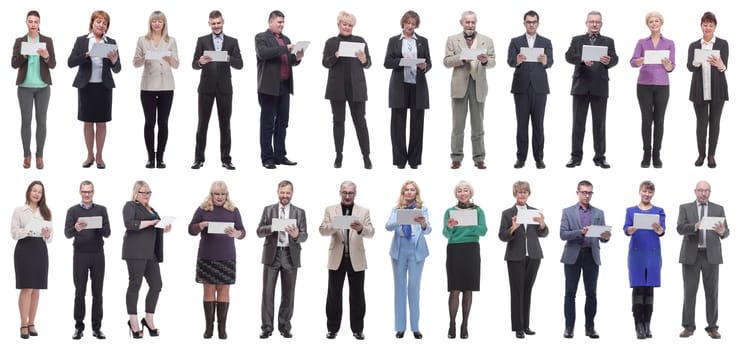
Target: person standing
469	87
33	82
346	258
215	84
530	88
581	255
701	254
82	225
590	88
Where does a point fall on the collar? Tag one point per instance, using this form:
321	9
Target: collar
530	37
711	41
469	37
91	35
593	35
413	36
581	208
220	35
82	205
699	203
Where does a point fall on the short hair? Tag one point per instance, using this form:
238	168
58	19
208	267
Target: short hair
346	183
33	13
158	15
138	185
345	16
411	15
87	183
43	208
531	13
207	204
462	184
275	14
520	186
709	17
593	13
215	14
652	14
467	13
584	183
647	184
284	183
401	200
100	14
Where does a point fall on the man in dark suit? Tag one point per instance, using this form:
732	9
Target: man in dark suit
590	87
281	255
581	255
701	254
275	61
530	88
215	84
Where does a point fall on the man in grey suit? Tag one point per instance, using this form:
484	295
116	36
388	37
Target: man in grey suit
581	254
469	87
530	88
281	255
701	254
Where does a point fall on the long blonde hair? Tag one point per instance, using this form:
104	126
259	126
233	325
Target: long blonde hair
207	204
158	15
402	201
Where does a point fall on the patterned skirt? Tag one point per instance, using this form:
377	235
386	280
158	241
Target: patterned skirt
215	271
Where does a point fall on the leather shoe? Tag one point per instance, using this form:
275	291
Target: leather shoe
331	335
196	165
455	164
100	165
520	334
265	334
711	162
699	161
229	166
77	335
480	164
286	334
568	333
713	332
413	166
417	335
603	164
358	335
399	335
88	163
27	162
338	161
39	163
286	161
519	164
540	164
149	164
573	162
368	163
268	164
528	331
686	332
592	333
97	334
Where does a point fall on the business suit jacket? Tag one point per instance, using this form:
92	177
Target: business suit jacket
339	68
268	63
141	243
356	243
719	80
592	80
215	77
417	236
570	232
77	58
157	74
688	216
393	56
529	73
20	62
461	69
516	248
269	248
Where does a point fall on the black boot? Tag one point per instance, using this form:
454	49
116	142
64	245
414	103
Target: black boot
657	163
160	161
338	160
209	308
640	330
150	161
645	159
366	160
222	309
647	315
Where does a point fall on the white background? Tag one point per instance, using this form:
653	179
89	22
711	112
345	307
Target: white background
179	190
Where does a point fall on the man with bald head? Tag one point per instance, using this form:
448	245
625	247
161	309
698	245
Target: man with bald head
701	253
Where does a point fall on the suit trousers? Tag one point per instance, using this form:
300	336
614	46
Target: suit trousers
274	123
710	279
407	283
528	105
598	122
357	110
653	100
708	113
28	98
590	270
138	269
94	264
521	280
412	154
356	297
205	106
459	115
157	106
283	266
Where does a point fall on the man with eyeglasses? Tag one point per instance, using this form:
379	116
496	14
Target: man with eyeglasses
347	224
87	223
590	87
703	227
582	255
530	55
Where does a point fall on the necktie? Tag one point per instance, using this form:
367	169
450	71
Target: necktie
218	42
347	212
703	233
592	39
281	235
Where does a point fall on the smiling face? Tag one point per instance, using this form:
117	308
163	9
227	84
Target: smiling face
35	194
157	24
86	194
143	195
463	194
216	24
99	27
276	24
345	28
285	194
219	195
593	23
646	195
654	23
707	29
585	193
409	26
32	22
468	23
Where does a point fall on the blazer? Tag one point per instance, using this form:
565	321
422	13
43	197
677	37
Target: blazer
417	235
215	77
264	229
157	74
719	80
570	232
393	58
340	68
356	245
461	69
688	216
78	58
521	242
141	243
592	80
269	62
20	62
529	73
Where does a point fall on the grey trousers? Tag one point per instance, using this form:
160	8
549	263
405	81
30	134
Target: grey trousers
459	115
27	99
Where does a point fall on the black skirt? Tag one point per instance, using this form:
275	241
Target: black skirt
94	103
31	262
215	271
463	266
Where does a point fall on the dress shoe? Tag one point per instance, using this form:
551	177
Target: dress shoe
711	162
26	162
32	330
519	164
77	335
528	331
700	160
268	164
451	332
657	163
197	164
413	166
455	164
568	333
88	163
399	335
152	332
24	335
286	334
265	334
286	161
540	164
368	163
358	335
149	164
520	334
464	331
417	335
161	164
39	163
602	163
331	335
592	333
714	334
401	166
686	332
98	334
573	162
230	166
480	164
100	165
338	161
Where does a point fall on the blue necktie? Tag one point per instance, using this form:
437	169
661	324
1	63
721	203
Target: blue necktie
407	228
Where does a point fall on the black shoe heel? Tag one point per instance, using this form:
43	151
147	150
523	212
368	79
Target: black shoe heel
152	332
136	334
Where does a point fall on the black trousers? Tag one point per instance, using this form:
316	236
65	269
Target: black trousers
521	280
581	104
138	269
708	113
653	100
356	297
274	123
412	154
94	265
530	105
157	106
205	106
357	110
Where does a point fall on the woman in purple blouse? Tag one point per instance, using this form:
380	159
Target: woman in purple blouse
218	222
656	57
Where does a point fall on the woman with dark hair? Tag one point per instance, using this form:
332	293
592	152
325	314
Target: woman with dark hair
31	227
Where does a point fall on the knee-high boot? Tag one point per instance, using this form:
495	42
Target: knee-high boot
209	308
222	309
647	315
637	313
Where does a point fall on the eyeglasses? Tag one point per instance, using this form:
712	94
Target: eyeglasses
594	22
531	22
86	192
347	193
522	192
586	193
703	190
220	194
145	193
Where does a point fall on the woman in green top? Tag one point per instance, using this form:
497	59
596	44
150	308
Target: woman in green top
33	84
463	254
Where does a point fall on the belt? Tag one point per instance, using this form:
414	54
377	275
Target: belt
283	248
583	249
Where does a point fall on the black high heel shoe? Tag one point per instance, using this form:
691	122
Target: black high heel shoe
32	330
136	334
152	332
24	335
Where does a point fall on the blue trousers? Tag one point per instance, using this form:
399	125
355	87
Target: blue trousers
407	282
